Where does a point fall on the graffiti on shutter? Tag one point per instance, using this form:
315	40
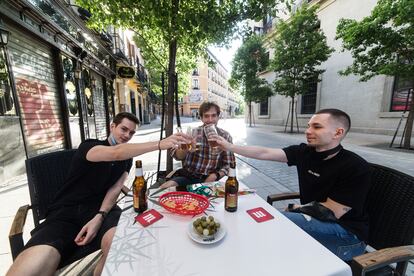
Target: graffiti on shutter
36	87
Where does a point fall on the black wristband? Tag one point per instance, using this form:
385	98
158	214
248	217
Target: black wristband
103	213
218	176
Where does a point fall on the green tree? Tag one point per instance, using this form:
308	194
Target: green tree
250	58
188	25
155	55
382	44
299	49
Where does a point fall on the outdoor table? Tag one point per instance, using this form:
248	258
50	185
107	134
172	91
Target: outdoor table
273	247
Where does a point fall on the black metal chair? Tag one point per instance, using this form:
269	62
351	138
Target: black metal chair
45	175
390	206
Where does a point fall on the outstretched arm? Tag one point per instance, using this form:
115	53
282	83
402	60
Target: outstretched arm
90	229
126	151
262	153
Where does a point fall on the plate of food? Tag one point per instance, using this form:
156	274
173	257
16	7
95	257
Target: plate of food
206	230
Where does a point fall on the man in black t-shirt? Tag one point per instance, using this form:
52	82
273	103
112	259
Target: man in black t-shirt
84	210
333	183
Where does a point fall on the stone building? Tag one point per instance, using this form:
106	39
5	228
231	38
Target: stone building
375	106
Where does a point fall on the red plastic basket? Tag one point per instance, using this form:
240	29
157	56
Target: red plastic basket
184	203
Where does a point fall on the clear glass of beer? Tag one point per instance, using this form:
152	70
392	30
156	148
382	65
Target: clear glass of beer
190	145
197	135
188	132
211	130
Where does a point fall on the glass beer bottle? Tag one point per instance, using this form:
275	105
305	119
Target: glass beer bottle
231	190
139	189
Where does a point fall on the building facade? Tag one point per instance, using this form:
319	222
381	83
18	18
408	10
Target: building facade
60	82
209	84
131	92
375	106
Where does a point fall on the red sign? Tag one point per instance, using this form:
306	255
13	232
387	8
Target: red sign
148	217
260	214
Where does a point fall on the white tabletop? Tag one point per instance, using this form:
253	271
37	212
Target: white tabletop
274	247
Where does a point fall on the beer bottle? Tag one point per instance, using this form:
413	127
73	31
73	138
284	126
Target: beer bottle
139	189
231	190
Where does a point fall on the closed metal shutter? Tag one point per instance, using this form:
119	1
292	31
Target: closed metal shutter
35	79
99	107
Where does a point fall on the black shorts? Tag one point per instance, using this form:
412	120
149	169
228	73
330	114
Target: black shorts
63	225
183	178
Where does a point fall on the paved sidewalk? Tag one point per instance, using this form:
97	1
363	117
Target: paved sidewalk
264	176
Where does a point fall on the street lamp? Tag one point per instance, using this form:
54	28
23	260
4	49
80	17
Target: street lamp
4	37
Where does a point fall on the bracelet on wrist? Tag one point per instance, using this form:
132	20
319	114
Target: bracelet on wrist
218	176
290	206
103	213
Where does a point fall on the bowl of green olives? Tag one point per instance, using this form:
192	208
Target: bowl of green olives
206	229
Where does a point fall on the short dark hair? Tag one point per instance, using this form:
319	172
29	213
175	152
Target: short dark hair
206	106
338	115
121	115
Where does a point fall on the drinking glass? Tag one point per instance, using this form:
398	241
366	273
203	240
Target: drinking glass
181	151
197	137
189	145
211	130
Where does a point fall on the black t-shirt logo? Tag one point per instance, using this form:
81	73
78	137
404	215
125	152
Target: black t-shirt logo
314	173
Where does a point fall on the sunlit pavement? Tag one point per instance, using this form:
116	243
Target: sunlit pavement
266	177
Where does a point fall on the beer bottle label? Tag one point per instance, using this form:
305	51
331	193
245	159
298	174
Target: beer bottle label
135	198
231	200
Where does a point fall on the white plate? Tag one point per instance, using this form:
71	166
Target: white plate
206	240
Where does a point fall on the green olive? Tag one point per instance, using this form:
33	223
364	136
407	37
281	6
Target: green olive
206	232
199	230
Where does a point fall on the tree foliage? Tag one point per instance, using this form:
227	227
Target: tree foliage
155	55
299	49
180	26
382	44
250	58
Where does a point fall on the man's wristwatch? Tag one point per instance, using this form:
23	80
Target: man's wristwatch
218	176
103	213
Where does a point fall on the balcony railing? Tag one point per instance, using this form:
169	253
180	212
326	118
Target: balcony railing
141	75
119	48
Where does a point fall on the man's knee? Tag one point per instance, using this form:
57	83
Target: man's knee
107	240
34	260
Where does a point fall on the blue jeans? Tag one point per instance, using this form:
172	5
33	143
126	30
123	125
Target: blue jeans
333	236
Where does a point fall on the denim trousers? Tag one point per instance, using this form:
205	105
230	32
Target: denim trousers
333	236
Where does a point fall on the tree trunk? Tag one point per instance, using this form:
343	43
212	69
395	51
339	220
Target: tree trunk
409	125
292	115
172	47
250	113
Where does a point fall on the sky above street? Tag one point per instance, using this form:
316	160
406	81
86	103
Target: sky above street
225	56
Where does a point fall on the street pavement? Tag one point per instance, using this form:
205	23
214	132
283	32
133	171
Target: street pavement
266	177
